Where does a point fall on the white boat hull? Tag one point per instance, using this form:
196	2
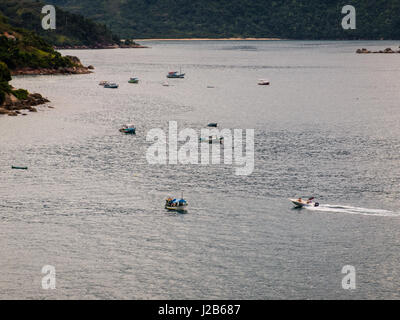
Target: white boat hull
179	208
300	204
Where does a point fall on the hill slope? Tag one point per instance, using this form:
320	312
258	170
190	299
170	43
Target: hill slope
72	29
20	48
24	52
291	19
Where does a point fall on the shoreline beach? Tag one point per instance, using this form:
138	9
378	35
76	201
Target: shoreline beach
212	39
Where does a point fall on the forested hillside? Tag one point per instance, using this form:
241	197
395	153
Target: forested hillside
24	52
291	19
20	48
71	29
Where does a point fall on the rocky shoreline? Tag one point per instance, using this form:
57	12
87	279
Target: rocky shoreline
13	106
47	71
366	51
102	46
78	68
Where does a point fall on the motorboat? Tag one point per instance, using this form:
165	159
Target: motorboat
263	82
165	84
111	85
213	125
175	75
176	204
128	129
133	80
103	83
300	203
212	139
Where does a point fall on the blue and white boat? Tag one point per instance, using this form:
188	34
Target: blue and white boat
175	75
176	204
128	129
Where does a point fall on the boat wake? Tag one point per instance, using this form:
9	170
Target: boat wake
354	210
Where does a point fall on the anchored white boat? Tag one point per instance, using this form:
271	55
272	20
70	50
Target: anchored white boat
300	203
111	85
263	82
134	80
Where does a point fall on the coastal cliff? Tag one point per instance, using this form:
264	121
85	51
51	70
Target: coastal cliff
23	52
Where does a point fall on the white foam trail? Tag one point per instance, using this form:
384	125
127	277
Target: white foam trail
354	210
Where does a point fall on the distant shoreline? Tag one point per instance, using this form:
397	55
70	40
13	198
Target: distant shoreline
212	39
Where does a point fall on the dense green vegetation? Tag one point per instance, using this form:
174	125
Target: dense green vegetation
21	94
20	48
4	78
290	19
71	29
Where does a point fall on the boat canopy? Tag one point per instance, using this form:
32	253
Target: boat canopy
180	201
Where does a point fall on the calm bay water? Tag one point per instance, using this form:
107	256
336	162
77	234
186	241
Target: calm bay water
91	205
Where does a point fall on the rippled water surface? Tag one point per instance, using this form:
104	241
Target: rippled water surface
91	205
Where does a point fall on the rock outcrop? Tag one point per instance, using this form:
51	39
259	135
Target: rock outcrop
387	50
12	106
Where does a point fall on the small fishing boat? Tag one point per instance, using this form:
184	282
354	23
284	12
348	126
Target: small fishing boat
128	129
176	204
213	125
133	80
111	85
263	82
175	75
212	139
19	168
300	203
